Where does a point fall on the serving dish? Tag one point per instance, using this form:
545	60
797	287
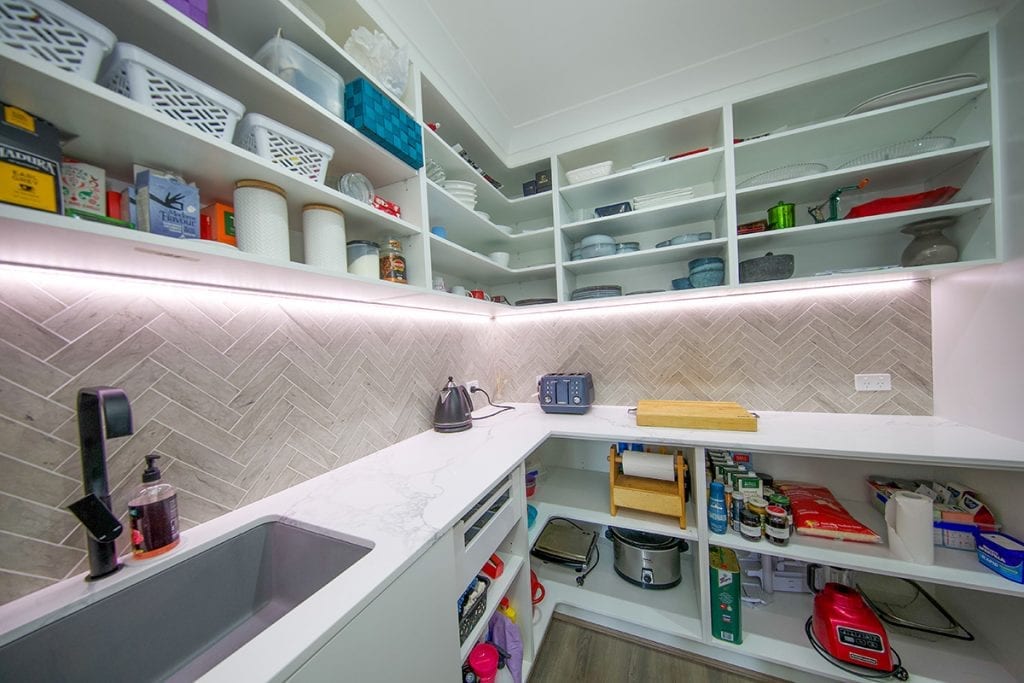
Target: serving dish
936	86
768	267
928	143
598	170
906	202
596	239
789	172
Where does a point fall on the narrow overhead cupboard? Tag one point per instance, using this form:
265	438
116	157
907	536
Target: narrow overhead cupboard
902	124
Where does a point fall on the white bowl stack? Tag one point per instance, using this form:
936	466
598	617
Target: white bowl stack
463	191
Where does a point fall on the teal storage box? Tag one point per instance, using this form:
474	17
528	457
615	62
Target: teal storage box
376	116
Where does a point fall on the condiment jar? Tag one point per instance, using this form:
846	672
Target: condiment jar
392	263
364	258
736	510
757	505
777	526
783	502
750	525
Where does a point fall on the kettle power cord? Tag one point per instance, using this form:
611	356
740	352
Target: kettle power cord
503	408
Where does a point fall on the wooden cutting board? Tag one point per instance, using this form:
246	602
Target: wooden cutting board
695	415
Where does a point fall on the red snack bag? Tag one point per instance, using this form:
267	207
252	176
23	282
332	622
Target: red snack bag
816	512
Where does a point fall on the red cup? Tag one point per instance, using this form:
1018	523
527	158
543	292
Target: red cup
479	294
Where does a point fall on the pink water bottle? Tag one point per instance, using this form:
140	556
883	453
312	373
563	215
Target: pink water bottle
483	659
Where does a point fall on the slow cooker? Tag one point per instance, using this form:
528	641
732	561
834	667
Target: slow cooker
647	560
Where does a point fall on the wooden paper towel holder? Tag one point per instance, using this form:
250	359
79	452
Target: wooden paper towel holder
650	495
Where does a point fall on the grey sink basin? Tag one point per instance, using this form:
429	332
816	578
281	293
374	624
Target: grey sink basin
179	623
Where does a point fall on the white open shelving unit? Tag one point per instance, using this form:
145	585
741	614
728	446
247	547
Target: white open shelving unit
573	484
116	133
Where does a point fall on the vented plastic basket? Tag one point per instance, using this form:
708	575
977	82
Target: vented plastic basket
136	74
53	32
284	146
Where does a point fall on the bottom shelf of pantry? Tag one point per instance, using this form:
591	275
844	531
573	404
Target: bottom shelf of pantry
776	633
497	590
674	611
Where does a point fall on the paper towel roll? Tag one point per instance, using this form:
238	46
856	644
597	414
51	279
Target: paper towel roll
649	465
908	517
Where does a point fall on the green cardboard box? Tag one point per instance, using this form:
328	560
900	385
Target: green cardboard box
726	622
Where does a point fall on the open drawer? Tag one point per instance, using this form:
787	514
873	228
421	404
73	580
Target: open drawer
485	526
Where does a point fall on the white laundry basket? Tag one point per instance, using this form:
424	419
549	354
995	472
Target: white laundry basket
284	146
53	32
136	74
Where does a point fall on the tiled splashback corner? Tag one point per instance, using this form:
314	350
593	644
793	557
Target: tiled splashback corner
241	396
244	396
794	351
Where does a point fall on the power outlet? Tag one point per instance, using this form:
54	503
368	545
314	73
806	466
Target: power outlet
881	381
472	384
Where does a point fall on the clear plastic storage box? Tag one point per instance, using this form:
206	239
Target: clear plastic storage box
305	73
284	146
53	32
148	80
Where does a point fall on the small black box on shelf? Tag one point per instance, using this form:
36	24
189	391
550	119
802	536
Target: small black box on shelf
529	187
543	178
543	187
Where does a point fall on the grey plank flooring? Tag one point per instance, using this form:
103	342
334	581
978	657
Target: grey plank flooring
574	651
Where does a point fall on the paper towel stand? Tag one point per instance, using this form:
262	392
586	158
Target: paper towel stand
650	495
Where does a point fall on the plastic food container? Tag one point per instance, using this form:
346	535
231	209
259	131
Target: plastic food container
304	72
284	146
579	175
364	258
140	76
56	33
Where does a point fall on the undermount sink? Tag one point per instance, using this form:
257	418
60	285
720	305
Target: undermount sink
179	623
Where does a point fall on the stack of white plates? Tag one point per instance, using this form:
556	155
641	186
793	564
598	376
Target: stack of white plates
646	201
463	191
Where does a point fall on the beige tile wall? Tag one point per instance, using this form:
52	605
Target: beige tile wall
244	396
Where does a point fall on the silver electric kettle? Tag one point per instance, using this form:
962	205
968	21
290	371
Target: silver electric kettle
453	410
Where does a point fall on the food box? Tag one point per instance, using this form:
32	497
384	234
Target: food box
217	223
726	607
954	524
1002	553
84	187
529	188
29	161
386	206
166	206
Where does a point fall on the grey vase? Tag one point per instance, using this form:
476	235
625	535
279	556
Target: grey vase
929	245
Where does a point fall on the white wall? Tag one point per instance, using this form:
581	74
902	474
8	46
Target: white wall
978	316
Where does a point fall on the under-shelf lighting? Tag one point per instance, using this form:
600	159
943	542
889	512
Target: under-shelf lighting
605	308
158	287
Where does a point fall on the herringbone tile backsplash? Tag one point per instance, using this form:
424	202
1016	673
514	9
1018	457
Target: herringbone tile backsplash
244	396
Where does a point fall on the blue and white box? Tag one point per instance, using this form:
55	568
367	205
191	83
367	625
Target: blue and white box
166	206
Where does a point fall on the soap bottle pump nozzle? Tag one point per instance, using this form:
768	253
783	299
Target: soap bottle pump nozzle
152	472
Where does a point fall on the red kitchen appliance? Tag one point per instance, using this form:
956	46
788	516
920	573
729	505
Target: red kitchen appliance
845	631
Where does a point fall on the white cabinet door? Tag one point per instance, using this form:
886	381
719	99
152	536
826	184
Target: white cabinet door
408	633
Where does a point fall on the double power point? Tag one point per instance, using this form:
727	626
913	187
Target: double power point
881	381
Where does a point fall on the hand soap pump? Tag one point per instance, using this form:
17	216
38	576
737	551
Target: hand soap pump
153	512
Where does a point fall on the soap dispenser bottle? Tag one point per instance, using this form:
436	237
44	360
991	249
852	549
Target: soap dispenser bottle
153	512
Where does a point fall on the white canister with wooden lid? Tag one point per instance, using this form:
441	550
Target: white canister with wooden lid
261	219
323	237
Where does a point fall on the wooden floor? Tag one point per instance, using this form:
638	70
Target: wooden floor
576	651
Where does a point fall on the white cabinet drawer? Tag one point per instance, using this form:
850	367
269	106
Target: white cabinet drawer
482	529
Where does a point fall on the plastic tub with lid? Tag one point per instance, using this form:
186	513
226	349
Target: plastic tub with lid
364	258
305	73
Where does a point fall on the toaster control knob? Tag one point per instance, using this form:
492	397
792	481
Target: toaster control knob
646	576
547	398
576	399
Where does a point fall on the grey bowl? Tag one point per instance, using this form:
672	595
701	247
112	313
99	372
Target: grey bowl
768	267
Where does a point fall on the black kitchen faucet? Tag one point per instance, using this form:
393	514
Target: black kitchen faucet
103	413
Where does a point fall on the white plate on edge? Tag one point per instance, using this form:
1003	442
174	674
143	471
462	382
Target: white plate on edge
917	91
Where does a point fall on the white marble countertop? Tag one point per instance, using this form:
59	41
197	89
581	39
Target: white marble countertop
404	497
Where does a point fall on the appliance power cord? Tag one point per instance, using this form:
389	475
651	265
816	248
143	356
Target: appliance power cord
493	405
898	672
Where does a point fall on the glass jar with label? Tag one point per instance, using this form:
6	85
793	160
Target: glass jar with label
750	525
777	526
392	262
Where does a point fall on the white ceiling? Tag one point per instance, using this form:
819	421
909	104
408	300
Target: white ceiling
535	77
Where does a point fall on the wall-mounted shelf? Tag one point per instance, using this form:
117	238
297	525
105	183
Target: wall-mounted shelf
453	259
679	253
654	218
